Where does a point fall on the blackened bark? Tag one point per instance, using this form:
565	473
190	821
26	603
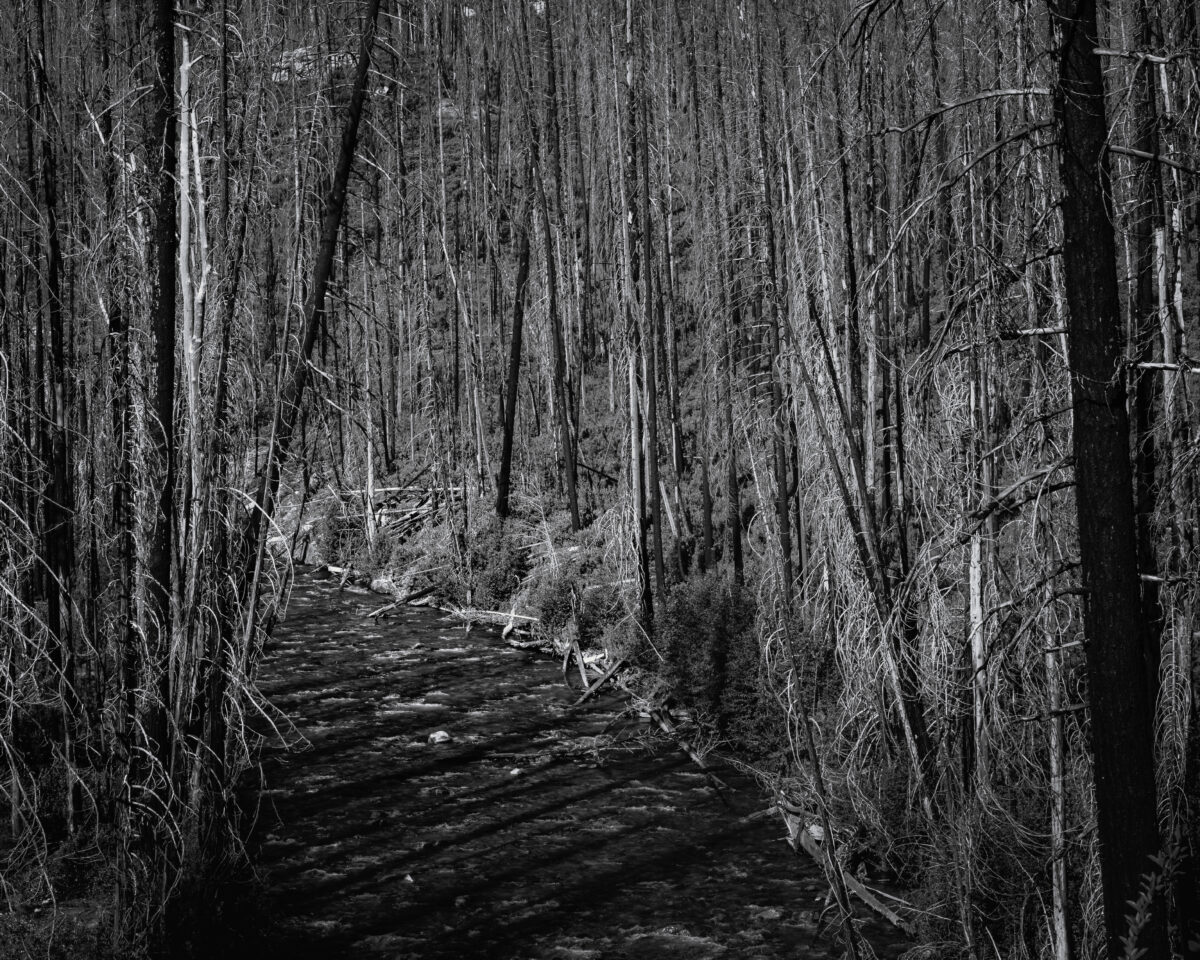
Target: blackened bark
166	246
774	296
1121	712
514	371
1147	392
58	500
650	338
853	342
287	411
550	168
733	518
210	706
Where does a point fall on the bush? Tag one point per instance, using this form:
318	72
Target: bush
706	633
552	601
601	610
498	563
343	535
749	714
430	561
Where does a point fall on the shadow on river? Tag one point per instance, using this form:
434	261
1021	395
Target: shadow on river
537	831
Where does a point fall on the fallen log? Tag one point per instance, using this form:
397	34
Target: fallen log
497	618
601	681
573	648
664	723
346	575
805	836
410	599
532	643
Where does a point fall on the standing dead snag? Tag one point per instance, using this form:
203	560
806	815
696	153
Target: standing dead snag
514	367
1121	712
166	245
287	407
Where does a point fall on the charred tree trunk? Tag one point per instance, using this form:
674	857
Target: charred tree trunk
1121	712
58	496
166	245
1147	237
650	333
514	370
287	409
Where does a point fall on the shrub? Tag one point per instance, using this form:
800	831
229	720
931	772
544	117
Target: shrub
343	535
601	610
552	600
749	714
706	633
498	563
430	561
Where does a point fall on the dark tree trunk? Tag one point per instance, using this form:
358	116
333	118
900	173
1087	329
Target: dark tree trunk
166	246
650	337
549	167
774	296
287	410
1121	711
733	518
1146	328
58	499
514	371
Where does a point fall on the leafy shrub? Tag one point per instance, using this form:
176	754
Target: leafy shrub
600	610
430	561
706	633
552	600
498	563
622	638
343	532
749	714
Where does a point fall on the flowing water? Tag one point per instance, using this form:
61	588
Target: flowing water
536	831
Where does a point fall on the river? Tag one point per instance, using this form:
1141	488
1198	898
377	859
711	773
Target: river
537	830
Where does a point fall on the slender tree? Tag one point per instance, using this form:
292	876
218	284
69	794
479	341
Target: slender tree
288	408
511	392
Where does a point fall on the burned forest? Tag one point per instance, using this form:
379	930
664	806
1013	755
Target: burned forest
546	478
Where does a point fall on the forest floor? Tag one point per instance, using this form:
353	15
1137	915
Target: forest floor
537	830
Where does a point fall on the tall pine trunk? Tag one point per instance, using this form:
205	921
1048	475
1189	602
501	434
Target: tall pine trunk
1121	711
514	370
287	409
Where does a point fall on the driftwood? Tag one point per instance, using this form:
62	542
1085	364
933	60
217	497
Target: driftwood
495	618
799	833
573	648
599	682
664	723
346	575
410	599
530	643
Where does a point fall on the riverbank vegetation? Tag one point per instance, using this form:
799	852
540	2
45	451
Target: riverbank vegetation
831	369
